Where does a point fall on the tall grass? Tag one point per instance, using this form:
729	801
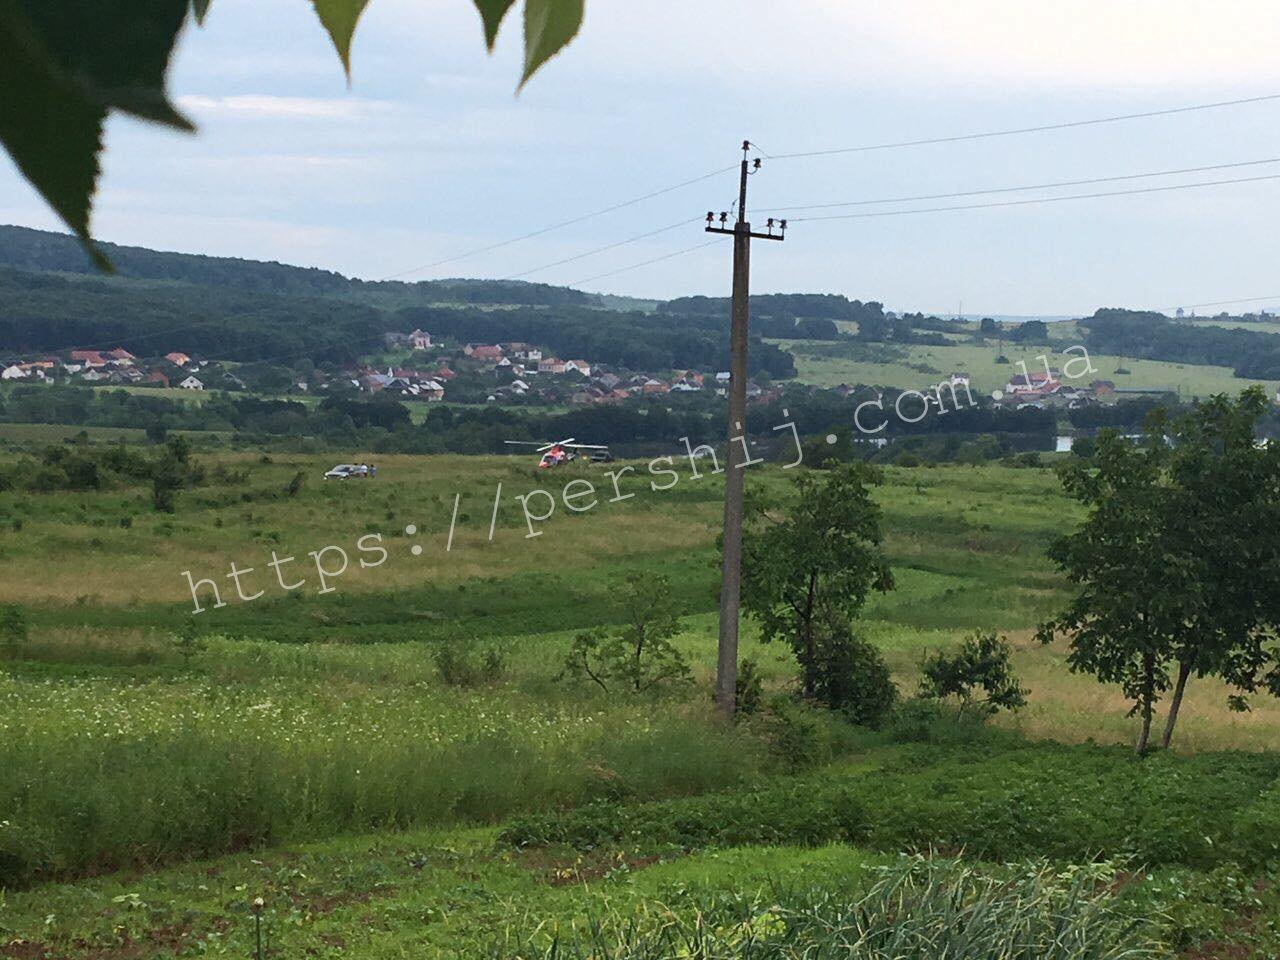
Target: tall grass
916	910
101	774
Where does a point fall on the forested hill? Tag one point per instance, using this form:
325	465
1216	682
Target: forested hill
52	299
1153	336
25	249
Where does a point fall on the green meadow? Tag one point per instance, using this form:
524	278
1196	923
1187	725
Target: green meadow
311	749
915	367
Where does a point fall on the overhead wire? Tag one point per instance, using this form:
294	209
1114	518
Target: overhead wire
645	263
1040	128
557	226
1018	189
1035	200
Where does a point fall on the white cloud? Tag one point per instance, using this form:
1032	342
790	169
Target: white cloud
270	107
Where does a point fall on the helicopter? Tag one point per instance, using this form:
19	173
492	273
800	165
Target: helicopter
564	451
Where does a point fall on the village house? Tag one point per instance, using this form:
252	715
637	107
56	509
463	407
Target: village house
483	352
155	378
522	351
1038	382
551	365
88	359
177	359
580	366
14	372
191	383
95	375
121	357
420	340
1102	388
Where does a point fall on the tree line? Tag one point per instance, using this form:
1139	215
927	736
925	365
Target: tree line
1153	336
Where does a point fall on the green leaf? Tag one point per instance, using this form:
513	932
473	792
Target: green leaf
63	66
491	13
548	26
339	18
117	53
49	128
200	9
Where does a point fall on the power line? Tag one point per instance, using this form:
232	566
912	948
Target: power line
1020	203
1036	129
1224	303
645	263
557	226
611	246
1034	186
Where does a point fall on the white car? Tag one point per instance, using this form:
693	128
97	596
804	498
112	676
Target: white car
345	471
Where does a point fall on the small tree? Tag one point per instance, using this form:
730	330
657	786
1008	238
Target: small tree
13	629
1131	598
188	642
981	663
813	563
1223	520
638	656
1179	558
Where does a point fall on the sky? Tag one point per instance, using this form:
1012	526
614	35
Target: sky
430	153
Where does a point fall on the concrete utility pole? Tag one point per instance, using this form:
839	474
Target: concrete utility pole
731	563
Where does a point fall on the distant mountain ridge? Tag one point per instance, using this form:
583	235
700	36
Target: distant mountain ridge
22	248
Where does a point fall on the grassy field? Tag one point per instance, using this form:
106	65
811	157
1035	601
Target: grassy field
916	367
310	751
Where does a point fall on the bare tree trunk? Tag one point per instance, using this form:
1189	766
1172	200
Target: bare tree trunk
1148	691
1184	671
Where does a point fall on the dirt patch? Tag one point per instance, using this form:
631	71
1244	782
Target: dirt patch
563	868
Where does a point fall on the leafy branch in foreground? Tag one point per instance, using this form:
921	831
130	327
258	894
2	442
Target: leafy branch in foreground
65	65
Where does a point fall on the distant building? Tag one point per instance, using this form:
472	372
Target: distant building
155	379
479	351
88	359
14	372
177	359
420	340
192	383
551	365
1103	388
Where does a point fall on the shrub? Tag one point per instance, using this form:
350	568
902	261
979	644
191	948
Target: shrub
982	662
796	733
187	642
468	663
852	677
13	629
637	657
